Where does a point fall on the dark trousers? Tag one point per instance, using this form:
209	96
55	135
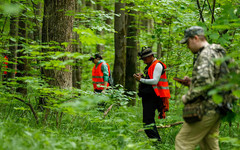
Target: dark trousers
97	91
150	104
101	106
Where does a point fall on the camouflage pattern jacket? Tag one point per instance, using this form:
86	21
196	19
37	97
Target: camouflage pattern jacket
205	73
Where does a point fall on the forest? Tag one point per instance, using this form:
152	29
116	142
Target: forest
47	100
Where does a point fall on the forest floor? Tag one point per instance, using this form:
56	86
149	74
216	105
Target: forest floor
121	128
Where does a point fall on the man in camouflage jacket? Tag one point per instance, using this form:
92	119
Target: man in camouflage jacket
205	73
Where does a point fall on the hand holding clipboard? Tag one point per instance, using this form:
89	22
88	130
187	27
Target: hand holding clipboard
185	81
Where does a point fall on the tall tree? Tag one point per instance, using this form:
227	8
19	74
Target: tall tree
99	47
37	32
131	52
13	44
108	20
89	4
77	70
22	62
120	44
57	26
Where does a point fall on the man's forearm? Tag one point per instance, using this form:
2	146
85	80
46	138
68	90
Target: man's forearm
105	85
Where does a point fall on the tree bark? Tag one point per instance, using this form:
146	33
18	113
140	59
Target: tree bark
108	21
159	50
37	28
57	26
120	44
131	52
100	47
83	3
21	62
89	4
213	9
77	70
13	46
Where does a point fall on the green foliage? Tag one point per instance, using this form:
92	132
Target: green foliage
9	9
88	37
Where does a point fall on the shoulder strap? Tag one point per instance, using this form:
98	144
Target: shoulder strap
162	67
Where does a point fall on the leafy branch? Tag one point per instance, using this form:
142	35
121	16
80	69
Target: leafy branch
31	107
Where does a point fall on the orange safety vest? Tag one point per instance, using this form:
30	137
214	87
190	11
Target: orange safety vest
97	77
161	89
5	64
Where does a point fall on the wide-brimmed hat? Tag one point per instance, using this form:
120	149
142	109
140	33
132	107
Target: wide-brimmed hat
191	32
146	51
95	57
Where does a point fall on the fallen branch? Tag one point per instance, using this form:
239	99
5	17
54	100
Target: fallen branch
106	112
166	126
31	107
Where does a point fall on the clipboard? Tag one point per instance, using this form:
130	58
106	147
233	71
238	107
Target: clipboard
180	80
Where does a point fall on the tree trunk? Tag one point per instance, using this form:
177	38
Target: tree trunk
131	61
37	28
83	3
159	50
13	46
89	4
22	62
120	44
100	47
108	21
77	70
57	26
147	24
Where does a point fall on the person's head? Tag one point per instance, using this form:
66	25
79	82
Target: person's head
95	58
194	38
146	55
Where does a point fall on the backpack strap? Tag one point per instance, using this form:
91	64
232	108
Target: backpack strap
163	70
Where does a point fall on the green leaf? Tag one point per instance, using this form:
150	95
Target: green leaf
20	108
214	36
10	9
236	93
217	98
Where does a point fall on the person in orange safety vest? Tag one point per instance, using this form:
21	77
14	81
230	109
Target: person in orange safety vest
100	73
154	90
5	65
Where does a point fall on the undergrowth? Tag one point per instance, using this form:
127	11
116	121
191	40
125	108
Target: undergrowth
78	124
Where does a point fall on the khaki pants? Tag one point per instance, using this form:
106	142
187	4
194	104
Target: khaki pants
205	133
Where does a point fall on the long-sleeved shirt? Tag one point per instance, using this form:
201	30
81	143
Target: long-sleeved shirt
104	69
156	75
